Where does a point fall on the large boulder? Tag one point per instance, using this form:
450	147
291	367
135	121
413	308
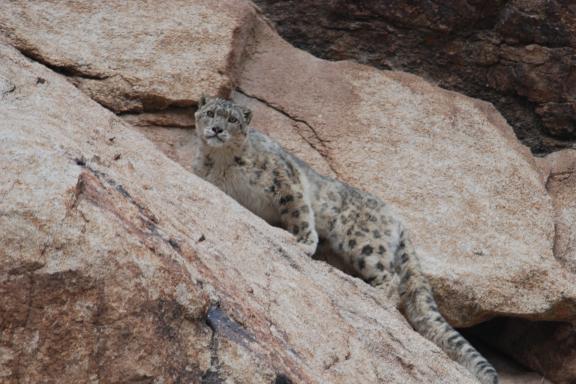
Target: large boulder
133	56
548	347
559	171
470	193
117	260
516	54
118	265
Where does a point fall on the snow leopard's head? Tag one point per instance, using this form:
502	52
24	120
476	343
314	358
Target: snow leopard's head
220	122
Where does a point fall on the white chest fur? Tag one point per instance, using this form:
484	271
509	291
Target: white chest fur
235	181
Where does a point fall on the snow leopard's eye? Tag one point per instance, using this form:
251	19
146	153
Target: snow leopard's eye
210	114
232	119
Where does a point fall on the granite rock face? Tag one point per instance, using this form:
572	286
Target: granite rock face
116	267
546	347
129	65
559	168
467	189
517	54
118	264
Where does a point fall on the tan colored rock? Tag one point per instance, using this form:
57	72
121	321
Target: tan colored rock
133	56
470	193
550	347
560	171
516	54
131	269
140	251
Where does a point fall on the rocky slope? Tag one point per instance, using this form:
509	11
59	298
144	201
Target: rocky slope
117	267
517	54
118	264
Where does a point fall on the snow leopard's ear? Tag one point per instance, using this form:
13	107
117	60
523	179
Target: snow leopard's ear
247	113
203	100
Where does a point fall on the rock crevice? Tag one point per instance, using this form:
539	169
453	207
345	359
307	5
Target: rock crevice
317	143
515	54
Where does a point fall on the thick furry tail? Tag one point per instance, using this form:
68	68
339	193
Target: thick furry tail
422	312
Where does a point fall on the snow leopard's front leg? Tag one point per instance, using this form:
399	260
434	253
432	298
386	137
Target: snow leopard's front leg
296	214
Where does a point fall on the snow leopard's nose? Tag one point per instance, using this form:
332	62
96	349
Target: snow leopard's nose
217	130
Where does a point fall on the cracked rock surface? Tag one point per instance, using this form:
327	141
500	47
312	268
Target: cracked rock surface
517	54
471	194
121	270
560	171
117	264
168	60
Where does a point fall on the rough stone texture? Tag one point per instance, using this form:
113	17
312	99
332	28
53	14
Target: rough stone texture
469	211
124	63
516	54
119	269
548	347
140	251
450	164
559	169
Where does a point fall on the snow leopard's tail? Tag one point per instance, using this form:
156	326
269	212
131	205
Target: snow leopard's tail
422	312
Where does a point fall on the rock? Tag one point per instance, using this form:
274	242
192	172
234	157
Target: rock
167	61
451	166
417	126
121	270
135	246
547	347
6	86
517	54
560	171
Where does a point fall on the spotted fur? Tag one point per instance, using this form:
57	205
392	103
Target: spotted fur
357	227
